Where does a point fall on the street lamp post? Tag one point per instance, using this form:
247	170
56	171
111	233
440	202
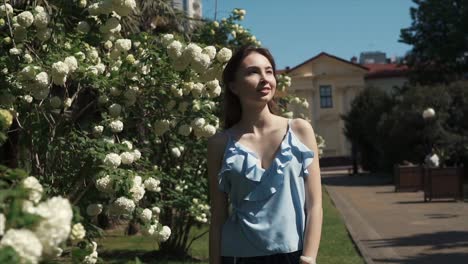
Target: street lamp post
428	114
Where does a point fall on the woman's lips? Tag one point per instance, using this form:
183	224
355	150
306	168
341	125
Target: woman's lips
264	91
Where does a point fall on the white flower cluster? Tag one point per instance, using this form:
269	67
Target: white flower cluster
152	185
123	205
34	187
138	189
200	211
41	19
283	82
78	232
93	257
177	151
112	160
6	9
124	7
111	26
185	130
161	126
213	88
116	126
25	243
55	226
202	128
146	215
164	234
105	184
60	71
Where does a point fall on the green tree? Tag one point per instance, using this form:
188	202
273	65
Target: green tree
439	36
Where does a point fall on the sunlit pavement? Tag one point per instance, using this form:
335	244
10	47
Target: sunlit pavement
391	227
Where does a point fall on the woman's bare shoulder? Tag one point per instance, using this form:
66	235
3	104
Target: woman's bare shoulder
302	127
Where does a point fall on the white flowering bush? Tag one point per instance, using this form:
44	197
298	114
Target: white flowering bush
115	121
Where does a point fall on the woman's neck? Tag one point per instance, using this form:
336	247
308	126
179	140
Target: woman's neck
256	120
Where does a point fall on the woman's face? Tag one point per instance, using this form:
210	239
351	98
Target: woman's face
255	80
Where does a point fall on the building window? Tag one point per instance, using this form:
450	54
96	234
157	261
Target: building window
326	100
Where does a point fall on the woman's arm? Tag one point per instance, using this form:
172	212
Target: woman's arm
218	199
313	190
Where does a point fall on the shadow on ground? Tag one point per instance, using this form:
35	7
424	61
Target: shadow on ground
452	240
362	179
124	256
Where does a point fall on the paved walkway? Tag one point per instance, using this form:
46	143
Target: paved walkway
391	227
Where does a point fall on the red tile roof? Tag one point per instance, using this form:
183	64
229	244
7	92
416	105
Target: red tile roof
324	54
387	70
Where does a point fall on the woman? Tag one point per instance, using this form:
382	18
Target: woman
262	168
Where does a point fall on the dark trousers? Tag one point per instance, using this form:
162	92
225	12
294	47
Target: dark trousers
283	258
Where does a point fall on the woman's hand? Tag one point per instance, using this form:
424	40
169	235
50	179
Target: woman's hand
307	260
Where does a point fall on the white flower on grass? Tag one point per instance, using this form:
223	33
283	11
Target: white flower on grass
115	110
94	209
224	55
6	9
42	79
25	243
123	45
78	232
59	72
146	215
151	184
137	191
25	19
164	234
55	102
123	205
2	224
136	154
112	160
127	158
210	51
72	63
98	129
124	7
55	226
105	184
35	188
116	126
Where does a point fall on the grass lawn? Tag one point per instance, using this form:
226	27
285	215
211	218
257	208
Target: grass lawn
336	246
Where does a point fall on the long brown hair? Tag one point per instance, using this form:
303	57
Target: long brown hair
232	109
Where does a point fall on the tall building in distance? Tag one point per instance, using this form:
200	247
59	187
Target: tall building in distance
372	57
193	8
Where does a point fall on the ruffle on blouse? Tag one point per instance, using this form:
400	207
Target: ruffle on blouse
272	179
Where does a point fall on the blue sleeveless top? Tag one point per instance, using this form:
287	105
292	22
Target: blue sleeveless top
267	205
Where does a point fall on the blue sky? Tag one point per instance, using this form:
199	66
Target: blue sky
297	30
